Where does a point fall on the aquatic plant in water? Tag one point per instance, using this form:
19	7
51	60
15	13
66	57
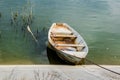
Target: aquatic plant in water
0	14
24	17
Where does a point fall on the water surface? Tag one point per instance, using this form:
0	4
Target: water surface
96	20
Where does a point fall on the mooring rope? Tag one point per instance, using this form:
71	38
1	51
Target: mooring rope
102	66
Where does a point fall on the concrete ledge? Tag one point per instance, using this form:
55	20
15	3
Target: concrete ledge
58	72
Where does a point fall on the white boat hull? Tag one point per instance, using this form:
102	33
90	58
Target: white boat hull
69	58
66	57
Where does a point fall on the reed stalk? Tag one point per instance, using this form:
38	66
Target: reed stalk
0	14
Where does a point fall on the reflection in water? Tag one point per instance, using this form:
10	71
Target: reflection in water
54	58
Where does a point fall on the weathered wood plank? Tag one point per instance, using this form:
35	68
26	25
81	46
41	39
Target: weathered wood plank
72	45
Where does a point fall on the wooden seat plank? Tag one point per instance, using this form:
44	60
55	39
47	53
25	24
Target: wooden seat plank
54	35
71	45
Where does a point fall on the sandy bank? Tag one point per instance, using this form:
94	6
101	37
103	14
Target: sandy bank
58	72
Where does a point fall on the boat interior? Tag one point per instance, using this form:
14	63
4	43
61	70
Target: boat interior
64	38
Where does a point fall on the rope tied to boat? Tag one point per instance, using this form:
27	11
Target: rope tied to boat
102	66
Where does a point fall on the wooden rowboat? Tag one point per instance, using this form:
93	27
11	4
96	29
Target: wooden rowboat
68	44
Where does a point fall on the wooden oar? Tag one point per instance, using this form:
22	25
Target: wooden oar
28	28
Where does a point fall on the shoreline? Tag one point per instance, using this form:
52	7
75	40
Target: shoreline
45	65
58	72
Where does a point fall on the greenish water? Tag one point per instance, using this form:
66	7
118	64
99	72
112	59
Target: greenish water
96	20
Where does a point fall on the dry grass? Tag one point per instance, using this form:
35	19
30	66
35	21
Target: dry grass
36	75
